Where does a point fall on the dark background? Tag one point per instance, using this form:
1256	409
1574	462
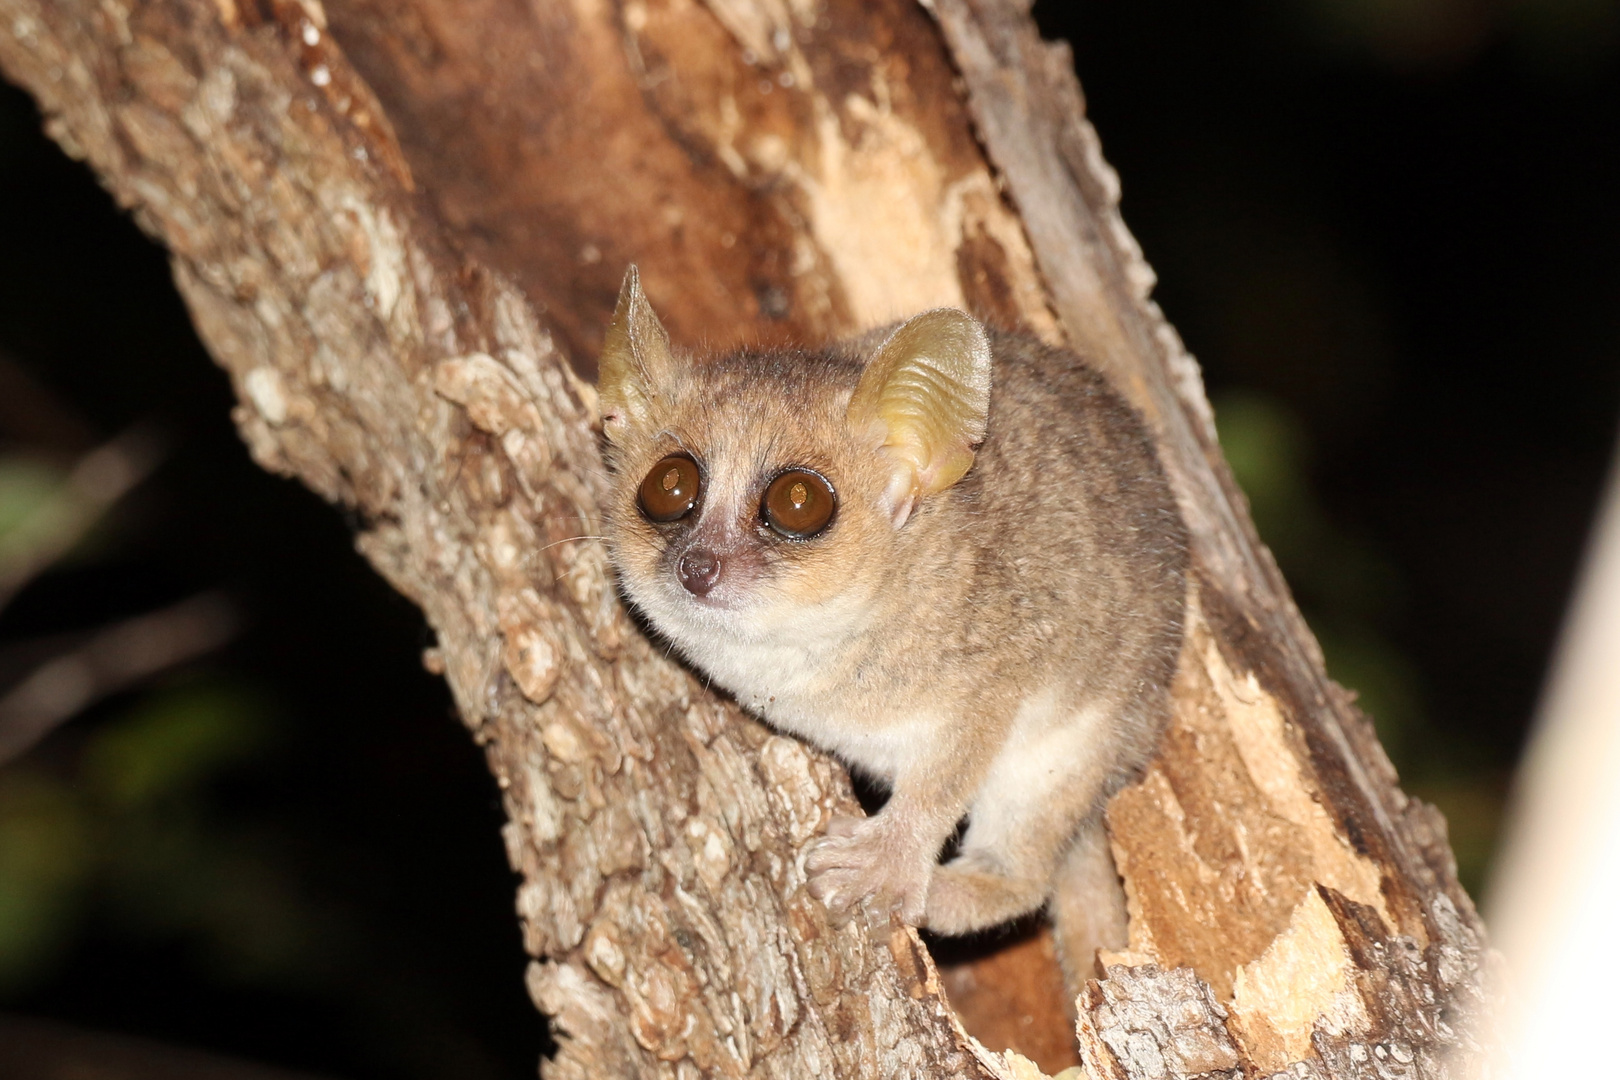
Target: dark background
1387	229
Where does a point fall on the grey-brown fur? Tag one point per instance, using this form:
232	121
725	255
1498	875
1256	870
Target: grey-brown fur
999	648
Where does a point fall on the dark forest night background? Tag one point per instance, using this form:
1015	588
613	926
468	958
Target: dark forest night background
1388	229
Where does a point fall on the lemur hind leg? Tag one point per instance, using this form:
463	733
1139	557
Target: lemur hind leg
968	894
1086	901
1004	870
1042	787
1005	867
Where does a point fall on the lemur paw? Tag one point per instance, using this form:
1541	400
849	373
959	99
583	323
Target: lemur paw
870	858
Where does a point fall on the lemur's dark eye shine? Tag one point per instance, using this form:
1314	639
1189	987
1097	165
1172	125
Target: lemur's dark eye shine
670	490
798	504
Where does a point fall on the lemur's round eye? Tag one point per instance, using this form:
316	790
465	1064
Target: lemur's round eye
671	490
798	504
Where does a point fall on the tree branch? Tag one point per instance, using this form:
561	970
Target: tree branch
112	659
347	191
97	481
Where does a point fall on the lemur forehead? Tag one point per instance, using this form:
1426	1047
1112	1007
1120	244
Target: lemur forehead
762	392
816	371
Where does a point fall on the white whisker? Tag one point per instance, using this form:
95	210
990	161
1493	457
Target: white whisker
569	540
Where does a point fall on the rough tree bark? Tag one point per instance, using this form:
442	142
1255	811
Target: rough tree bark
399	226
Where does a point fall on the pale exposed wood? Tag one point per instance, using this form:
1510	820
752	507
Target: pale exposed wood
348	190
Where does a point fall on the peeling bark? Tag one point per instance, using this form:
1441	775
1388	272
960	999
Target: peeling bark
399	227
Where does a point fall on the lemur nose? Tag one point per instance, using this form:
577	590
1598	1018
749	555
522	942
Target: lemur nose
699	571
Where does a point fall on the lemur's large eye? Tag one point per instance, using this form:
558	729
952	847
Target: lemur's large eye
798	504
671	490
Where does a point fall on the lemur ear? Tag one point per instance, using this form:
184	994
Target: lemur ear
635	359
925	396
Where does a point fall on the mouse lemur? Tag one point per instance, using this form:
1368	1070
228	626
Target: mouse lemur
946	553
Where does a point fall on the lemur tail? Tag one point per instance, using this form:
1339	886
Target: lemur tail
1087	906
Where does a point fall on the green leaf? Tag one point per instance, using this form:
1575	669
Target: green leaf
173	742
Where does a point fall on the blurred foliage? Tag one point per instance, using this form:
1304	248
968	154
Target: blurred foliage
134	825
130	825
28	486
171	745
45	854
126	824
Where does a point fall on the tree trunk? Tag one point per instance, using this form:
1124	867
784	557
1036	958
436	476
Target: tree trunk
400	226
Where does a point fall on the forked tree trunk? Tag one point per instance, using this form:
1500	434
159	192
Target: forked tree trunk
400	225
